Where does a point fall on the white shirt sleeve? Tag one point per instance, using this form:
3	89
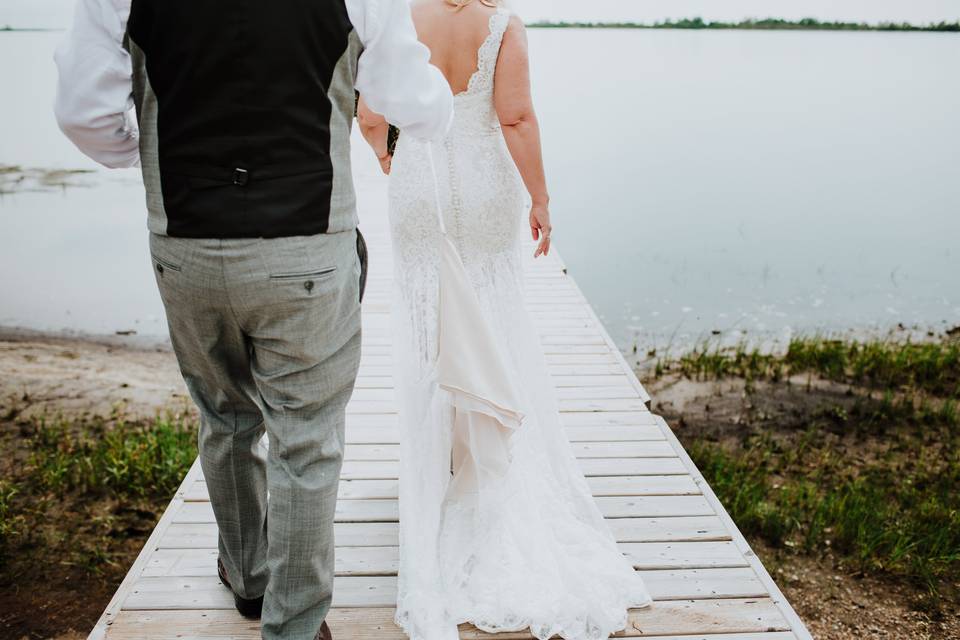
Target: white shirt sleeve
395	76
95	85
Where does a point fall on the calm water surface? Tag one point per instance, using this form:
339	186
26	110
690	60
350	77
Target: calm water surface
771	182
767	181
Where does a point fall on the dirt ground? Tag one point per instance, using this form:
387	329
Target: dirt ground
834	603
45	375
841	606
51	375
78	376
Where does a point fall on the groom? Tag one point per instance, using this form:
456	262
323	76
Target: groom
243	116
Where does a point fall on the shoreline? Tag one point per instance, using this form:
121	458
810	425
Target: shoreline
118	339
76	375
17	333
643	356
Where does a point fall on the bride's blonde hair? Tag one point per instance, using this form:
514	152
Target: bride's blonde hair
460	4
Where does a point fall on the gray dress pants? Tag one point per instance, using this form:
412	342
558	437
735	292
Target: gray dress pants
267	335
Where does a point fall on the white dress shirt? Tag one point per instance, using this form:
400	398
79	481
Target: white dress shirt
94	100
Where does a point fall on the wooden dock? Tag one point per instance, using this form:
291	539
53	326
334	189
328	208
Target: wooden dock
706	582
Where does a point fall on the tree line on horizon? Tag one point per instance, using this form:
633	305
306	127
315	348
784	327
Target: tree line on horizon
752	23
811	24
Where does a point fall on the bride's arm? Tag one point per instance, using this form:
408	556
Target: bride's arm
375	129
521	131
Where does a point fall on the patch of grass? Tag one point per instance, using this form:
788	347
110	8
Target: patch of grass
888	414
713	362
10	521
138	460
897	513
84	492
869	475
930	367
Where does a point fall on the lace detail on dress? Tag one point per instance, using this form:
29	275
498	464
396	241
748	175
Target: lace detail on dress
488	53
474	113
528	547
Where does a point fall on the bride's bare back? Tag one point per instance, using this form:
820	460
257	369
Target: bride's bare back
453	36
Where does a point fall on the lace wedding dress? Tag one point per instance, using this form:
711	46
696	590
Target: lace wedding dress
497	523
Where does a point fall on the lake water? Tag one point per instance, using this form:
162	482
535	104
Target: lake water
770	182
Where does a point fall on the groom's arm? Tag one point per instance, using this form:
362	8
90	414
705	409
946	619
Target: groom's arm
394	75
95	86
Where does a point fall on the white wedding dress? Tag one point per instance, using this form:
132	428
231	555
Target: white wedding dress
497	523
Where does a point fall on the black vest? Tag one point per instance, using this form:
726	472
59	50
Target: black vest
245	109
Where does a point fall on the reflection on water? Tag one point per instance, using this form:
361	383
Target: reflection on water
701	181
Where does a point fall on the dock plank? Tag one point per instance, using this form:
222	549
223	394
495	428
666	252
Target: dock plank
383	560
599	486
754	619
192	535
387	510
207	592
617	449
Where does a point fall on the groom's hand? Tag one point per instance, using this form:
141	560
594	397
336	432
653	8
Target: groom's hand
540	228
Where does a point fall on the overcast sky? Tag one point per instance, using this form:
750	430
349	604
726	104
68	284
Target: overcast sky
655	10
56	13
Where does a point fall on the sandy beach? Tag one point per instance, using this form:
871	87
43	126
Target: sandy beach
88	375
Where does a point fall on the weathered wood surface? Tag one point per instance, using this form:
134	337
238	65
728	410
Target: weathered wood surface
706	582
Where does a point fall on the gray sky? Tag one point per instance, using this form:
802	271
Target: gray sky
655	10
56	13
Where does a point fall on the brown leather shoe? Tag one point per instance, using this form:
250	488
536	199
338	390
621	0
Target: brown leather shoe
324	633
248	608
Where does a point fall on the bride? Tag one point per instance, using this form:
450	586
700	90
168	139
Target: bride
497	523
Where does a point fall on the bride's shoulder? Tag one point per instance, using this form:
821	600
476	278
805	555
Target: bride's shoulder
420	7
429	9
514	28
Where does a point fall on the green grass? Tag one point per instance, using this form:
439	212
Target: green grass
900	521
929	367
10	521
932	367
138	460
712	362
77	489
872	477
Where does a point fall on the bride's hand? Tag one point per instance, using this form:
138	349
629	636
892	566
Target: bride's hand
540	228
376	132
385	163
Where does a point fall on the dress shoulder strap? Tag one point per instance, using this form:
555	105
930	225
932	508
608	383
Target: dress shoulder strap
499	22
490	49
